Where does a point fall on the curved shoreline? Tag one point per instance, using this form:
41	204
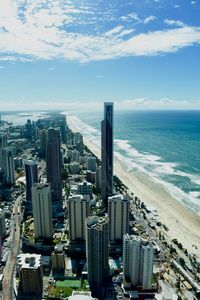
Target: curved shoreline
183	224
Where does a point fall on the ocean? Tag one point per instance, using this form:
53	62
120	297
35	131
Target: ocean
162	144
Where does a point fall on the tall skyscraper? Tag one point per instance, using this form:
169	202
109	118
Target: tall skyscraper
3	144
31	275
31	174
146	264
98	179
91	163
118	211
43	142
78	211
29	129
107	152
97	249
8	166
53	160
42	210
138	258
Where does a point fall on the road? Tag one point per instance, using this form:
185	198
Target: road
15	241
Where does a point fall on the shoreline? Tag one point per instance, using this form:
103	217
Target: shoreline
183	224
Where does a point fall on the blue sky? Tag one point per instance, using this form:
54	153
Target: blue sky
74	54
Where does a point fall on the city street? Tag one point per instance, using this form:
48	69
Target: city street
15	238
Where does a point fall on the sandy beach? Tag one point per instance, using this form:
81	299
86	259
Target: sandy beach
182	223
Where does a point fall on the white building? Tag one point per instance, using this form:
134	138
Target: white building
85	188
91	163
8	166
78	211
42	210
97	251
138	261
118	212
146	264
31	274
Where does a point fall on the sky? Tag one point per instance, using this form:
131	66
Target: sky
77	54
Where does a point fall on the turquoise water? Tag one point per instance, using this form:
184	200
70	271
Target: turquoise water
162	144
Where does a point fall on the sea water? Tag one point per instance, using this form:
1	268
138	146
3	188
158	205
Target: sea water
162	144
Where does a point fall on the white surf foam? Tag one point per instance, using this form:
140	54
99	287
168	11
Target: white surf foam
147	163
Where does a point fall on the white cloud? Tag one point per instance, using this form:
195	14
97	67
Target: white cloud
149	19
1	67
174	23
114	31
131	16
129	104
163	103
39	32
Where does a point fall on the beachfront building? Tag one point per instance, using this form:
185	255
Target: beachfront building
97	253
85	188
107	152
42	210
138	261
8	165
31	275
31	175
78	211
118	212
53	159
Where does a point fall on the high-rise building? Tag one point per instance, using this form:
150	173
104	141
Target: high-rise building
75	156
43	142
118	212
31	274
85	188
29	129
2	224
138	258
3	144
63	130
42	210
31	174
78	211
78	138
98	179
58	258
91	163
97	251
53	159
8	165
146	264
107	152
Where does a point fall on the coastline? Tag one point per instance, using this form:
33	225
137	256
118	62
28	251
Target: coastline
182	223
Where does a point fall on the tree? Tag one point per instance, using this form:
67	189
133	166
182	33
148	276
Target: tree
182	261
